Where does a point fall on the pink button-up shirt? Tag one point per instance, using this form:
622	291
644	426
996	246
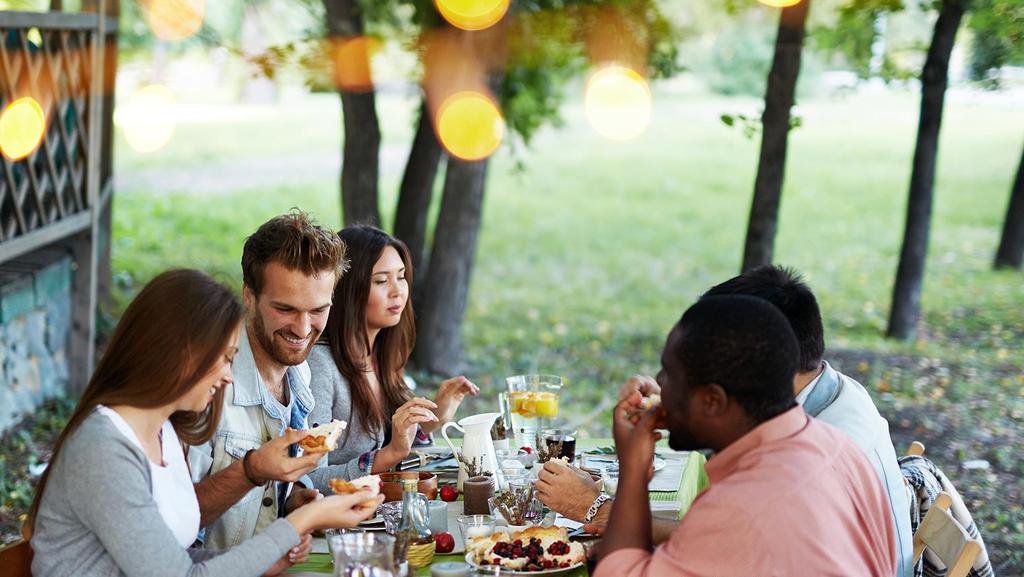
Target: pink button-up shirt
792	497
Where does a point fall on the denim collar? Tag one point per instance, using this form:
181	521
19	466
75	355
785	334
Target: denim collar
249	388
825	391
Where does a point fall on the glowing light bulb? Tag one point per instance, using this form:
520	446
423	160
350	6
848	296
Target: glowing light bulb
22	126
617	103
470	125
779	3
352	70
472	14
173	20
147	118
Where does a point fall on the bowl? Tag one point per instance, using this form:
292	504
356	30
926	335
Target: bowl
391	484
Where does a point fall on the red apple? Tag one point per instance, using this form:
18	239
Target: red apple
444	543
449	493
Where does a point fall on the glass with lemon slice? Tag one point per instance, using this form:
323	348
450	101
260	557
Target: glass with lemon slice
530	399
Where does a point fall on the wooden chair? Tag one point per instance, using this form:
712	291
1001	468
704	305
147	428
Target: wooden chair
916	449
943	536
16	559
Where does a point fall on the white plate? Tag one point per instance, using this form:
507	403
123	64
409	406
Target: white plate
597	461
378	520
503	571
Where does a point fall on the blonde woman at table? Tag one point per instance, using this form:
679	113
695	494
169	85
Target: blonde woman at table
358	368
117	498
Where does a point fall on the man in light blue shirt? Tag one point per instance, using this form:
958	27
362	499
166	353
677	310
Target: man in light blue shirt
245	474
829	395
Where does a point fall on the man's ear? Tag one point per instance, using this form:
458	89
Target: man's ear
714	400
248	297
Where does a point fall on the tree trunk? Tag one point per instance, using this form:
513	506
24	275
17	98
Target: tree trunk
415	194
361	149
906	297
771	167
1011	245
439	340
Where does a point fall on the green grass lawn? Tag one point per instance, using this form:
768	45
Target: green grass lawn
589	255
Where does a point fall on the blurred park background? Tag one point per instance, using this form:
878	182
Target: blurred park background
601	217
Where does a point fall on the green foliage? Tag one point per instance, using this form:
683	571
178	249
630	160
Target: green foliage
998	38
750	125
740	59
853	32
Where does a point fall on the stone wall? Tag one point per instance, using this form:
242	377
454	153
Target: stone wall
35	321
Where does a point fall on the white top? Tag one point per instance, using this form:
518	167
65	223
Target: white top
172	485
854	413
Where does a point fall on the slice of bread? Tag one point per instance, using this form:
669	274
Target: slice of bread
323	438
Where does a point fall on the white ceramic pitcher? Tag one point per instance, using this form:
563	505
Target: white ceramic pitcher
476	443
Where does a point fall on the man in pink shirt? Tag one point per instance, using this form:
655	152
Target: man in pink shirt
789	495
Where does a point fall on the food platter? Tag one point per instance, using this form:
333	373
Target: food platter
504	571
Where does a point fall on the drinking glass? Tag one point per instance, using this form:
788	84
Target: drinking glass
560	443
531	398
475	526
363	554
610	479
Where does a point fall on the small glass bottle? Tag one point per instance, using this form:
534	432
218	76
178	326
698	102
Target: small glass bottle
413	540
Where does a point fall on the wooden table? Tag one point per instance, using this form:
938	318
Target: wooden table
663	503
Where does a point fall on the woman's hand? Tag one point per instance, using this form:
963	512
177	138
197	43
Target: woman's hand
449	397
297	554
335	511
417	412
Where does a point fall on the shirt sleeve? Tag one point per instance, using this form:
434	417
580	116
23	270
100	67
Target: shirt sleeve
710	541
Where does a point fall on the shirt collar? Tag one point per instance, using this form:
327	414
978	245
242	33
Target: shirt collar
783	426
248	383
806	392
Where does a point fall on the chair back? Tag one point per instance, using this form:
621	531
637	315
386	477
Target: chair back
943	536
16	559
916	449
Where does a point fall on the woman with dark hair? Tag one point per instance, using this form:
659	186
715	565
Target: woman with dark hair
117	498
358	367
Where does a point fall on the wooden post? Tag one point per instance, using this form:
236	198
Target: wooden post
84	245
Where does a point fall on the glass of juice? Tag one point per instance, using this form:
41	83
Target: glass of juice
530	398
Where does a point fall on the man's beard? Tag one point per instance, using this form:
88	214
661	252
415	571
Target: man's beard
276	350
683	441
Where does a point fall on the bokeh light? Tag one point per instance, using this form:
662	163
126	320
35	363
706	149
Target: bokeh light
470	125
22	126
173	20
352	70
618	103
472	14
779	3
147	118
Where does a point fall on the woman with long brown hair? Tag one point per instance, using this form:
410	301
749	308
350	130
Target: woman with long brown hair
358	368
117	498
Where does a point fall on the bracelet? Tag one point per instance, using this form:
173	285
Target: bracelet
594	508
248	470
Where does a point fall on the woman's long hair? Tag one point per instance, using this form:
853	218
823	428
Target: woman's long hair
167	340
346	329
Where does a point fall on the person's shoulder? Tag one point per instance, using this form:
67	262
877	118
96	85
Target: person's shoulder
97	443
322	367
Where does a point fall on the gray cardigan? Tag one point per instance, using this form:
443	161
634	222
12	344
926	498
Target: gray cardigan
97	518
333	400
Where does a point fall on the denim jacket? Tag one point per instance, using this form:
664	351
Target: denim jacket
251	417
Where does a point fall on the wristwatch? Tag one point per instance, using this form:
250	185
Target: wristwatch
594	508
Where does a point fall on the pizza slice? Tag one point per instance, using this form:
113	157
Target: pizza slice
323	438
343	487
